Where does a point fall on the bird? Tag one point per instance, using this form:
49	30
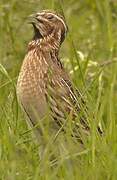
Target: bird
43	82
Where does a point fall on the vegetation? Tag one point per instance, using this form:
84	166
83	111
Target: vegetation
90	55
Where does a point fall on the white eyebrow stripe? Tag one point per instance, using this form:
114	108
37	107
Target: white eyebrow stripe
59	19
42	13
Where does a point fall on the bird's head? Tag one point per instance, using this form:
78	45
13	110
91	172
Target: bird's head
47	23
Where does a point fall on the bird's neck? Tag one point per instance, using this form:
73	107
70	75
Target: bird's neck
47	43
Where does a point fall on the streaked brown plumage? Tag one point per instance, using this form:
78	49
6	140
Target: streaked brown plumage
42	80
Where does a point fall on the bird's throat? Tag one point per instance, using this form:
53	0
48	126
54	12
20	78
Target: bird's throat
37	34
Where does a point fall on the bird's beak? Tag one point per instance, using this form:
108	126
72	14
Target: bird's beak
32	19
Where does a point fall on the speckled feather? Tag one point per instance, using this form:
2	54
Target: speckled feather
42	81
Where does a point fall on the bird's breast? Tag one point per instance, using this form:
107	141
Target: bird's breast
31	83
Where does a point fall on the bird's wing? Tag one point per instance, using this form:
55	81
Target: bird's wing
64	100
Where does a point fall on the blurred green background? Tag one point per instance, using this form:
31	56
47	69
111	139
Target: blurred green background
90	55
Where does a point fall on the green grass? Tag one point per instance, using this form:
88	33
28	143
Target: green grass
90	55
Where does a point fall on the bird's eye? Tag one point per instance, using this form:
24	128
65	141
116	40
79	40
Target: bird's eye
50	17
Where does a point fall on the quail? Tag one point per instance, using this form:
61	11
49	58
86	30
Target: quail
43	82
